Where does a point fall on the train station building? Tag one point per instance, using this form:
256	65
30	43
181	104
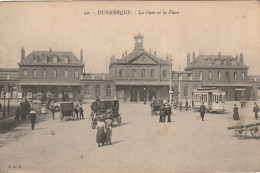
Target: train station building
135	76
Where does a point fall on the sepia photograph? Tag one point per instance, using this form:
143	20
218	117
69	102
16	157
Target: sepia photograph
129	87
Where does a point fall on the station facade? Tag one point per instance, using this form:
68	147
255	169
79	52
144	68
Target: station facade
134	77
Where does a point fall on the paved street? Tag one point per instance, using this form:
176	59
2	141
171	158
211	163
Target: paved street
140	144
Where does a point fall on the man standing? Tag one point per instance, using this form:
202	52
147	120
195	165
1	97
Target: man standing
108	123
23	110
169	112
180	106
186	105
162	113
32	117
202	111
256	110
27	107
81	111
52	109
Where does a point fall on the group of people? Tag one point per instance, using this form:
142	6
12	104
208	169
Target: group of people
236	114
78	110
165	110
104	128
179	104
22	110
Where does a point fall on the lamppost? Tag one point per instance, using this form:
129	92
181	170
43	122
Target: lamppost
179	83
4	103
9	94
170	84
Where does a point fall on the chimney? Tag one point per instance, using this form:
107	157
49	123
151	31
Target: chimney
219	55
167	58
50	49
123	55
125	52
22	53
81	55
188	59
241	57
155	53
193	56
236	58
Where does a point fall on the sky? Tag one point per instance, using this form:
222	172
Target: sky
203	27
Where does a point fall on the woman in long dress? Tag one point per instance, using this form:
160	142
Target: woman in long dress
101	135
235	114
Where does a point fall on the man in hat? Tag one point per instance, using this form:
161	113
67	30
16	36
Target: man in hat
81	111
162	113
108	123
202	111
169	112
186	105
256	110
32	116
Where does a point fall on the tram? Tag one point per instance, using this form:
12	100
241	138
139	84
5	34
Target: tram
214	99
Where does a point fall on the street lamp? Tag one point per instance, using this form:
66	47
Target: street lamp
9	94
4	103
170	85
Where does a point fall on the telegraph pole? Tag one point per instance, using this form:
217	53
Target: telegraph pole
179	83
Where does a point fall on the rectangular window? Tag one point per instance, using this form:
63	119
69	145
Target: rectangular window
210	75
34	73
54	74
219	75
243	75
35	59
25	73
227	75
152	73
121	73
66	60
143	73
235	75
201	75
164	73
185	91
134	73
76	74
54	59
65	73
44	73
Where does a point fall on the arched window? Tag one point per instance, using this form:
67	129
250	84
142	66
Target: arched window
219	75
108	91
86	90
210	75
185	92
97	90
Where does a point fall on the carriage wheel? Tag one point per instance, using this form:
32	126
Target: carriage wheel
119	120
255	132
238	130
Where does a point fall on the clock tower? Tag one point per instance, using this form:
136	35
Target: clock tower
139	42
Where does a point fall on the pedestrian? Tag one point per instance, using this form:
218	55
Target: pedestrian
76	111
27	107
17	113
256	110
162	113
52	109
32	116
101	135
180	106
186	105
169	113
108	123
192	103
23	110
145	101
81	111
235	113
97	99
0	107
202	111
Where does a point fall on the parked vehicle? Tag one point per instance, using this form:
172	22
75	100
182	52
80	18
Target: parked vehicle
155	106
66	110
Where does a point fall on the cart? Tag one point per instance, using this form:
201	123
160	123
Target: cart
155	106
101	108
241	130
66	110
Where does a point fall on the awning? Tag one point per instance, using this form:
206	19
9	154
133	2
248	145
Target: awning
228	85
51	83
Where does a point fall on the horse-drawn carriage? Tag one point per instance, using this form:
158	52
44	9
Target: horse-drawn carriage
101	108
66	110
155	106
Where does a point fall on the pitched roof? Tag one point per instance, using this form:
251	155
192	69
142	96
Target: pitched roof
136	54
43	55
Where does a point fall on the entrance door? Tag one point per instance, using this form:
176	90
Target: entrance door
65	96
142	95
152	94
133	96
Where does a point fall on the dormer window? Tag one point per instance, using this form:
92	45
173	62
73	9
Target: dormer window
35	59
66	60
54	59
45	59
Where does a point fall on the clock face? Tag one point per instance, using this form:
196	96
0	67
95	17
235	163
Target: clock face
139	40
